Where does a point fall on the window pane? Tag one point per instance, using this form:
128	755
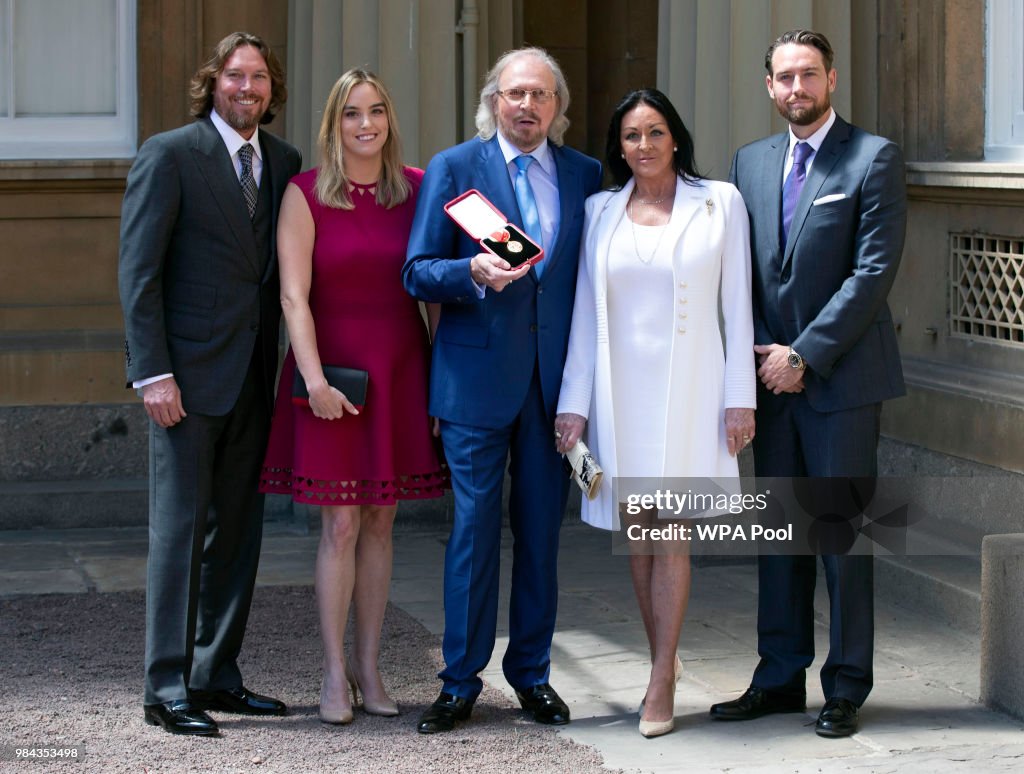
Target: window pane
4	59
65	56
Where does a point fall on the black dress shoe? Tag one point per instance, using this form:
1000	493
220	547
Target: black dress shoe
757	702
180	717
837	718
239	700
546	705
443	714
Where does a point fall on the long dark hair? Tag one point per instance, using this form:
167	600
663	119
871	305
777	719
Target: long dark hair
682	159
203	82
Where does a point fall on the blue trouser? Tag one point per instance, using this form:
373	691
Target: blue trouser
476	458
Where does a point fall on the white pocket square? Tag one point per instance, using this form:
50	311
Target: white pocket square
827	199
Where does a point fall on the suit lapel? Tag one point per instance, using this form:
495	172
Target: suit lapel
567	203
689	200
824	162
214	163
495	182
771	180
273	175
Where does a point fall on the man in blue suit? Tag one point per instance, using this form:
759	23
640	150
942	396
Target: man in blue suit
497	368
827	206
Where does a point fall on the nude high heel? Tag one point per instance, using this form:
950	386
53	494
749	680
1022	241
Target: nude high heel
335	713
679	674
385	708
652	728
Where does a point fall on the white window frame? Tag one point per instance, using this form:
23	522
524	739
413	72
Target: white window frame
1004	95
76	137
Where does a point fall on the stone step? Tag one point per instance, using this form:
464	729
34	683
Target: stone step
939	576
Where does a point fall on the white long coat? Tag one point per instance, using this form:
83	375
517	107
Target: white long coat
709	232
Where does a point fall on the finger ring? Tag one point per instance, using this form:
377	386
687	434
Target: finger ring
746	438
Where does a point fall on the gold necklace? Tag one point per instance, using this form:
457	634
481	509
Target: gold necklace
636	246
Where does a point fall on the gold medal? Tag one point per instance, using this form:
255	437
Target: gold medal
515	247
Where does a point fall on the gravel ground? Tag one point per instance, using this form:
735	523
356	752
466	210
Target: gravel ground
71	674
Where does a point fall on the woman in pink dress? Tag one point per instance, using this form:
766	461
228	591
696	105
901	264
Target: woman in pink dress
341	243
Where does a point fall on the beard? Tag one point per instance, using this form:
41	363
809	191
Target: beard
524	138
240	118
241	122
805	116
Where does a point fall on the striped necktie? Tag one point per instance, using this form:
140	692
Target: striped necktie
248	182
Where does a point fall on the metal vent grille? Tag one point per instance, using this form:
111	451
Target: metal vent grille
987	288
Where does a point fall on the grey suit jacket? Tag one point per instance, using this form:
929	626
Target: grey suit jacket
196	300
826	295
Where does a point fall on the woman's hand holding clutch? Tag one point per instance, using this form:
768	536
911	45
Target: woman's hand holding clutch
568	430
329	403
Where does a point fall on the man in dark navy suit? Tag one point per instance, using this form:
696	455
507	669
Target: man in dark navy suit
827	206
199	288
497	368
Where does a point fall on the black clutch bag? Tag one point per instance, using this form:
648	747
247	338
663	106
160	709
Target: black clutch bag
351	382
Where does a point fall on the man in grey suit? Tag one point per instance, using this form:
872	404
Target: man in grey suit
199	289
827	206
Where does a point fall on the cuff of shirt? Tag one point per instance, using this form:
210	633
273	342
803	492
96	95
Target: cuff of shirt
138	384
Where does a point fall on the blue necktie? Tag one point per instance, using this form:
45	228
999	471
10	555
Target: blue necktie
793	186
528	204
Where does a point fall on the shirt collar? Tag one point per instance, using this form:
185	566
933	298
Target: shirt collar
233	139
541	154
816	139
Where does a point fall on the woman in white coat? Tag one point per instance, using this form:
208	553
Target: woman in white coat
647	380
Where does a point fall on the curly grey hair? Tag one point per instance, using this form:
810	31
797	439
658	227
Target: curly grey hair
486	122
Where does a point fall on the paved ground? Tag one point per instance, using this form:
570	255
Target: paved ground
923	715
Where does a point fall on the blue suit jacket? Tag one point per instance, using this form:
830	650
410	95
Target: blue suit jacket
485	348
826	295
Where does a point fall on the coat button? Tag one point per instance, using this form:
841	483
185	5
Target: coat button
540	290
533	329
681	330
682	316
254	328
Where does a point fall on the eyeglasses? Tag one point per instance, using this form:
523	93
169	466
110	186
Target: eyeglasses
515	96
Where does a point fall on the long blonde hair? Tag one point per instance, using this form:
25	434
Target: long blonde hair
331	181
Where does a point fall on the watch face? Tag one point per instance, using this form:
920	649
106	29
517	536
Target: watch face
795	361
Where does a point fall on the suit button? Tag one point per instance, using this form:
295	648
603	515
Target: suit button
533	329
539	291
254	328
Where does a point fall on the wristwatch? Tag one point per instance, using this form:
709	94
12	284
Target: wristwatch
795	361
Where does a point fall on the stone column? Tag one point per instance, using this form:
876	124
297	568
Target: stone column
1002	623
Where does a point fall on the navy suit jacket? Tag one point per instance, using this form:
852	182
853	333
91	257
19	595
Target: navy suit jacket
826	294
485	348
196	298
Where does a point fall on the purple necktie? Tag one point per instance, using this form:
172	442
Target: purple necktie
793	186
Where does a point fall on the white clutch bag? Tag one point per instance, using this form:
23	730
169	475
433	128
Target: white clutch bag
585	471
